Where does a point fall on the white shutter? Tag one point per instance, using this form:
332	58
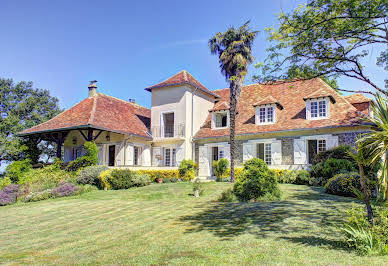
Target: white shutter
308	109
157	156
146	156
276	152
300	151
100	154
248	151
180	155
204	166
120	154
129	154
227	152
331	142
68	154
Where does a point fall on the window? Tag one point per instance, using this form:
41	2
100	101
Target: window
169	157
318	109
136	155
168	125
265	115
221	119
264	152
221	154
315	147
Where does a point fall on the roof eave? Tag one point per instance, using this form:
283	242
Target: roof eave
181	83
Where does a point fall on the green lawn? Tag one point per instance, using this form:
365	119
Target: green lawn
165	224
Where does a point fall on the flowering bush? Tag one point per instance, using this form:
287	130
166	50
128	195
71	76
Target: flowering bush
9	194
37	196
90	175
187	170
64	189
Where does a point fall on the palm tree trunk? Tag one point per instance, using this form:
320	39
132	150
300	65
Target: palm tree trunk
366	193
235	90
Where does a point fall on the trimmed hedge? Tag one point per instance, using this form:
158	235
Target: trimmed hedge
123	179
345	184
298	177
164	174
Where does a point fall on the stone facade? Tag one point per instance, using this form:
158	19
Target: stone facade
287	151
348	138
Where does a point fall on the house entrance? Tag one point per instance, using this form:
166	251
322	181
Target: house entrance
112	153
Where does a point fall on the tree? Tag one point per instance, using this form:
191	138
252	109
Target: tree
328	38
233	48
21	107
378	138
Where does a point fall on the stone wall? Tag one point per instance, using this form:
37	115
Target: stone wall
348	138
287	150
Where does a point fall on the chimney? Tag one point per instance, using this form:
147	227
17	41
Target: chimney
92	88
132	100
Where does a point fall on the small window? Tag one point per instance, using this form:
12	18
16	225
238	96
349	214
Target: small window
266	115
221	119
314	109
315	147
169	157
318	109
321	145
221	154
264	152
322	108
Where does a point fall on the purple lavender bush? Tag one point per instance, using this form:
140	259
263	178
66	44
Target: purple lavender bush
64	190
9	194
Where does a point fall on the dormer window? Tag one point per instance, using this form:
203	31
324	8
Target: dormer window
220	119
265	114
317	108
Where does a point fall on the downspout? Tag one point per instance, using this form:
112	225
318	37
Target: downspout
192	126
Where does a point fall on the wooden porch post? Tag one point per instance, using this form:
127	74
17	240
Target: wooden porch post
59	142
90	134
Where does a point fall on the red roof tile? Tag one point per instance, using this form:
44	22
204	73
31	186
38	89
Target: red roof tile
220	106
182	77
357	98
268	100
101	112
292	117
320	93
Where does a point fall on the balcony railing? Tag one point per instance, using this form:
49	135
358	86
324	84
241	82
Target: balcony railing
168	131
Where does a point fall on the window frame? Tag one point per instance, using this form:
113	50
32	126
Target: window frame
172	157
317	102
214	119
259	114
267	153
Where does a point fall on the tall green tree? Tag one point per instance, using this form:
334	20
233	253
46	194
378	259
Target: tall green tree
234	50
21	107
378	139
329	38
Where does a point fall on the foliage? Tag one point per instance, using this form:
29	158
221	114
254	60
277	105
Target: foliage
45	178
220	168
339	152
5	181
237	172
366	238
9	194
104	179
323	171
346	184
124	179
234	50
377	140
328	38
17	168
64	189
38	196
155	174
198	186
227	196
187	170
86	188
256	181
91	175
89	159
22	107
299	177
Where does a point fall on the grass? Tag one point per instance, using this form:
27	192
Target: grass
165	224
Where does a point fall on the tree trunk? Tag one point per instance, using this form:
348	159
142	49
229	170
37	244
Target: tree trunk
366	193
235	90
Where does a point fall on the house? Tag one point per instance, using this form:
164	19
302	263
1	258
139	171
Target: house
284	124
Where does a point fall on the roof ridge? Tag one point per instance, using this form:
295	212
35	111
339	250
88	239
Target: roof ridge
91	118
132	104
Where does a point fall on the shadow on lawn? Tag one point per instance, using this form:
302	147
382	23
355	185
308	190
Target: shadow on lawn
302	212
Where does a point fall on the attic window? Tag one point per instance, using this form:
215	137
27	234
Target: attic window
220	119
317	108
265	114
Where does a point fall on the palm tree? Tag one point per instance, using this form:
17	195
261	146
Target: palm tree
233	48
378	138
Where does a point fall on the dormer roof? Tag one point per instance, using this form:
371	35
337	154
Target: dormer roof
320	93
268	100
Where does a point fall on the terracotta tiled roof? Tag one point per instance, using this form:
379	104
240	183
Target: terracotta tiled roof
268	100
320	93
292	117
101	112
357	98
182	77
220	106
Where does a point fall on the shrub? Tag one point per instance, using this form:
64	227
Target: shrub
302	177
198	186
227	196
299	177
124	179
323	171
256	181
91	175
237	172
343	184
45	178
187	170
155	174
367	239
38	196
86	188
220	168
64	190
89	159
5	181
9	194
104	179
17	168
339	152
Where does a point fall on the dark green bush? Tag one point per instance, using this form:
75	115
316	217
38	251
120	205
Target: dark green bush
299	177
91	175
256	181
323	171
89	159
124	179
220	168
227	196
343	184
339	152
15	170
187	170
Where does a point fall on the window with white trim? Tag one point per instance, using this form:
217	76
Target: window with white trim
220	119
315	146
264	151
318	109
169	157
265	115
